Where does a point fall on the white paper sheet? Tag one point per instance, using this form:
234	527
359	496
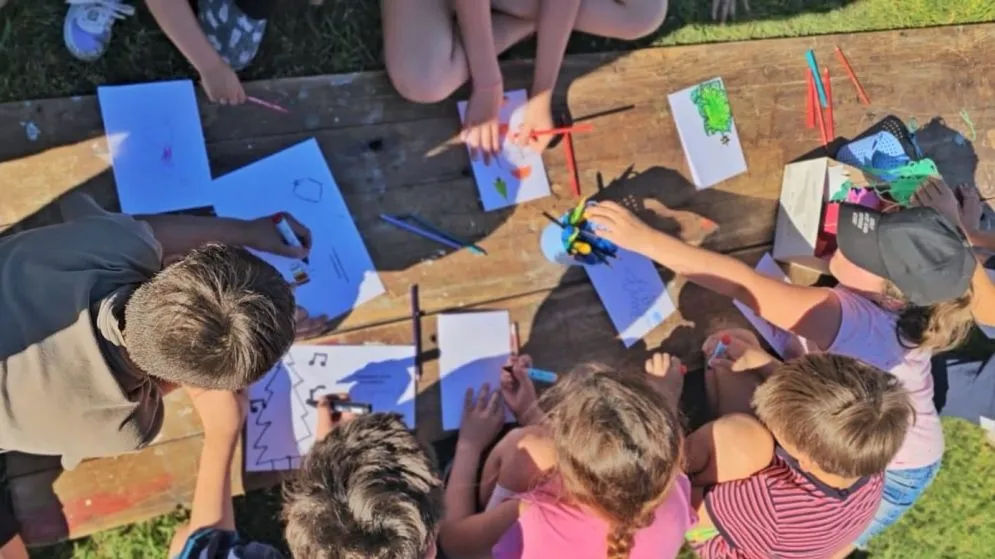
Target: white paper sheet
786	344
156	146
281	421
632	293
518	175
708	132
472	349
297	180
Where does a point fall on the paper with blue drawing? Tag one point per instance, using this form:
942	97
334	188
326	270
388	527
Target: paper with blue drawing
297	180
703	116
282	415
517	175
784	343
473	347
156	146
633	294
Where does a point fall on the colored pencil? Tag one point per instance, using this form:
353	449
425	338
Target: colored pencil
810	57
564	130
516	344
568	145
810	101
428	226
416	327
400	224
822	126
267	104
853	77
830	124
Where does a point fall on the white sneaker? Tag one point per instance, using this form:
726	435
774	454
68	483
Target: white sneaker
87	29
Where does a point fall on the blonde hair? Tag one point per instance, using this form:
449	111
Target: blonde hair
618	447
936	328
848	417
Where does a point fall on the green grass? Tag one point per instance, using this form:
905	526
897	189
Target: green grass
344	36
954	519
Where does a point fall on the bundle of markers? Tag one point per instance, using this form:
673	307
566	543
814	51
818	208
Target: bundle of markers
580	239
819	101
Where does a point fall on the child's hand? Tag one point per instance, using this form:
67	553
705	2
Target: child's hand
517	389
480	122
328	418
221	412
261	234
970	208
538	116
222	85
620	226
667	372
743	352
307	327
935	193
483	418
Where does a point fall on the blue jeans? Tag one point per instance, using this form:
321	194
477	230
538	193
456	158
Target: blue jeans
902	488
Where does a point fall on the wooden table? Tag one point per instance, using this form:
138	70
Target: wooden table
391	156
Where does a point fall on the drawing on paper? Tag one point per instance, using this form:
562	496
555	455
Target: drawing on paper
501	187
713	106
308	189
641	296
154	147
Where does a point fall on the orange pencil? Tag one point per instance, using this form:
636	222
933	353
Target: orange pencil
565	130
830	125
568	145
810	101
853	77
822	126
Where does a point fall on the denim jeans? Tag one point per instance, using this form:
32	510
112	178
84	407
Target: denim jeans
901	490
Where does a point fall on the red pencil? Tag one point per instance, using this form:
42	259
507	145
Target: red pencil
267	104
853	77
568	145
810	101
830	125
822	126
565	130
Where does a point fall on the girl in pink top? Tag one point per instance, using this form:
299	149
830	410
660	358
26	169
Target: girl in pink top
905	292
594	474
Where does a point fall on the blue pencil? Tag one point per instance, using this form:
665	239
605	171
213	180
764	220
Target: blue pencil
814	68
427	234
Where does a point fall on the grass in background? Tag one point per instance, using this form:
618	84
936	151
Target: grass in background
344	36
954	519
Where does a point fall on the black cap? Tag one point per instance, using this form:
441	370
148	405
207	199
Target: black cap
920	251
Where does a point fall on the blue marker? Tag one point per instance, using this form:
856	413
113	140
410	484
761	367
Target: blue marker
810	56
720	349
540	375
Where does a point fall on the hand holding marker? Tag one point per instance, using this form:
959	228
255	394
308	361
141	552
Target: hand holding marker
720	349
537	375
290	238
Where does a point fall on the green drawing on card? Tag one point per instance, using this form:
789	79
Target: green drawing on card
501	187
713	106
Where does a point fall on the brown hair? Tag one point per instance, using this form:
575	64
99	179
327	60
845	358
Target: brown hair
850	418
369	490
618	447
217	318
938	327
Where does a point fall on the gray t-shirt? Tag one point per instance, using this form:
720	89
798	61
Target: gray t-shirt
66	387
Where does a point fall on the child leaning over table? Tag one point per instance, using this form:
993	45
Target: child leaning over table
904	293
217	37
367	488
806	479
595	472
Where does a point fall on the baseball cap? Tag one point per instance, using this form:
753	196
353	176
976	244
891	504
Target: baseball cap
920	251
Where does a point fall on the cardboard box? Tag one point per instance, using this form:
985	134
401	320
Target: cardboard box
805	189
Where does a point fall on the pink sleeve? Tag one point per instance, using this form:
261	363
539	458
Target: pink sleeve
684	487
743	514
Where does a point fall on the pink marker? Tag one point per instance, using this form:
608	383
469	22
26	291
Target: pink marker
267	104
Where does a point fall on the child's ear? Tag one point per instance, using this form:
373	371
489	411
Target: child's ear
433	549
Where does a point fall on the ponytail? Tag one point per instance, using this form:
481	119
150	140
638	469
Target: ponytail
621	539
936	328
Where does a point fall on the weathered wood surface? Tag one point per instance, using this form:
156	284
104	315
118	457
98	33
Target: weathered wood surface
390	156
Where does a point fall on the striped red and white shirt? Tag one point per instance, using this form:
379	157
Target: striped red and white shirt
782	512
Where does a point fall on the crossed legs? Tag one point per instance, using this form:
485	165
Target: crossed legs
424	53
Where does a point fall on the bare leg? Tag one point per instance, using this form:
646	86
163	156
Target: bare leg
627	20
732	447
423	49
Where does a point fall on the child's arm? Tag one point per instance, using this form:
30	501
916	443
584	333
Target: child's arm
732	447
465	533
982	296
179	234
179	23
813	313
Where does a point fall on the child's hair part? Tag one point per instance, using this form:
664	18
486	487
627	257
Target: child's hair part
938	327
618	447
218	318
848	417
368	490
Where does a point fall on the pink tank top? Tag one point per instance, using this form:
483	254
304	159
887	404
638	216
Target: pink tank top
548	528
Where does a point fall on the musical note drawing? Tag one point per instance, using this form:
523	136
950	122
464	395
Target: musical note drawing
311	400
322	357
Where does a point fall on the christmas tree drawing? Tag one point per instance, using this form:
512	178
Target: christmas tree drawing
713	106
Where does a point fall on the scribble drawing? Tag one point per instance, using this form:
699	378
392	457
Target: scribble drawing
713	106
153	148
308	189
641	296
